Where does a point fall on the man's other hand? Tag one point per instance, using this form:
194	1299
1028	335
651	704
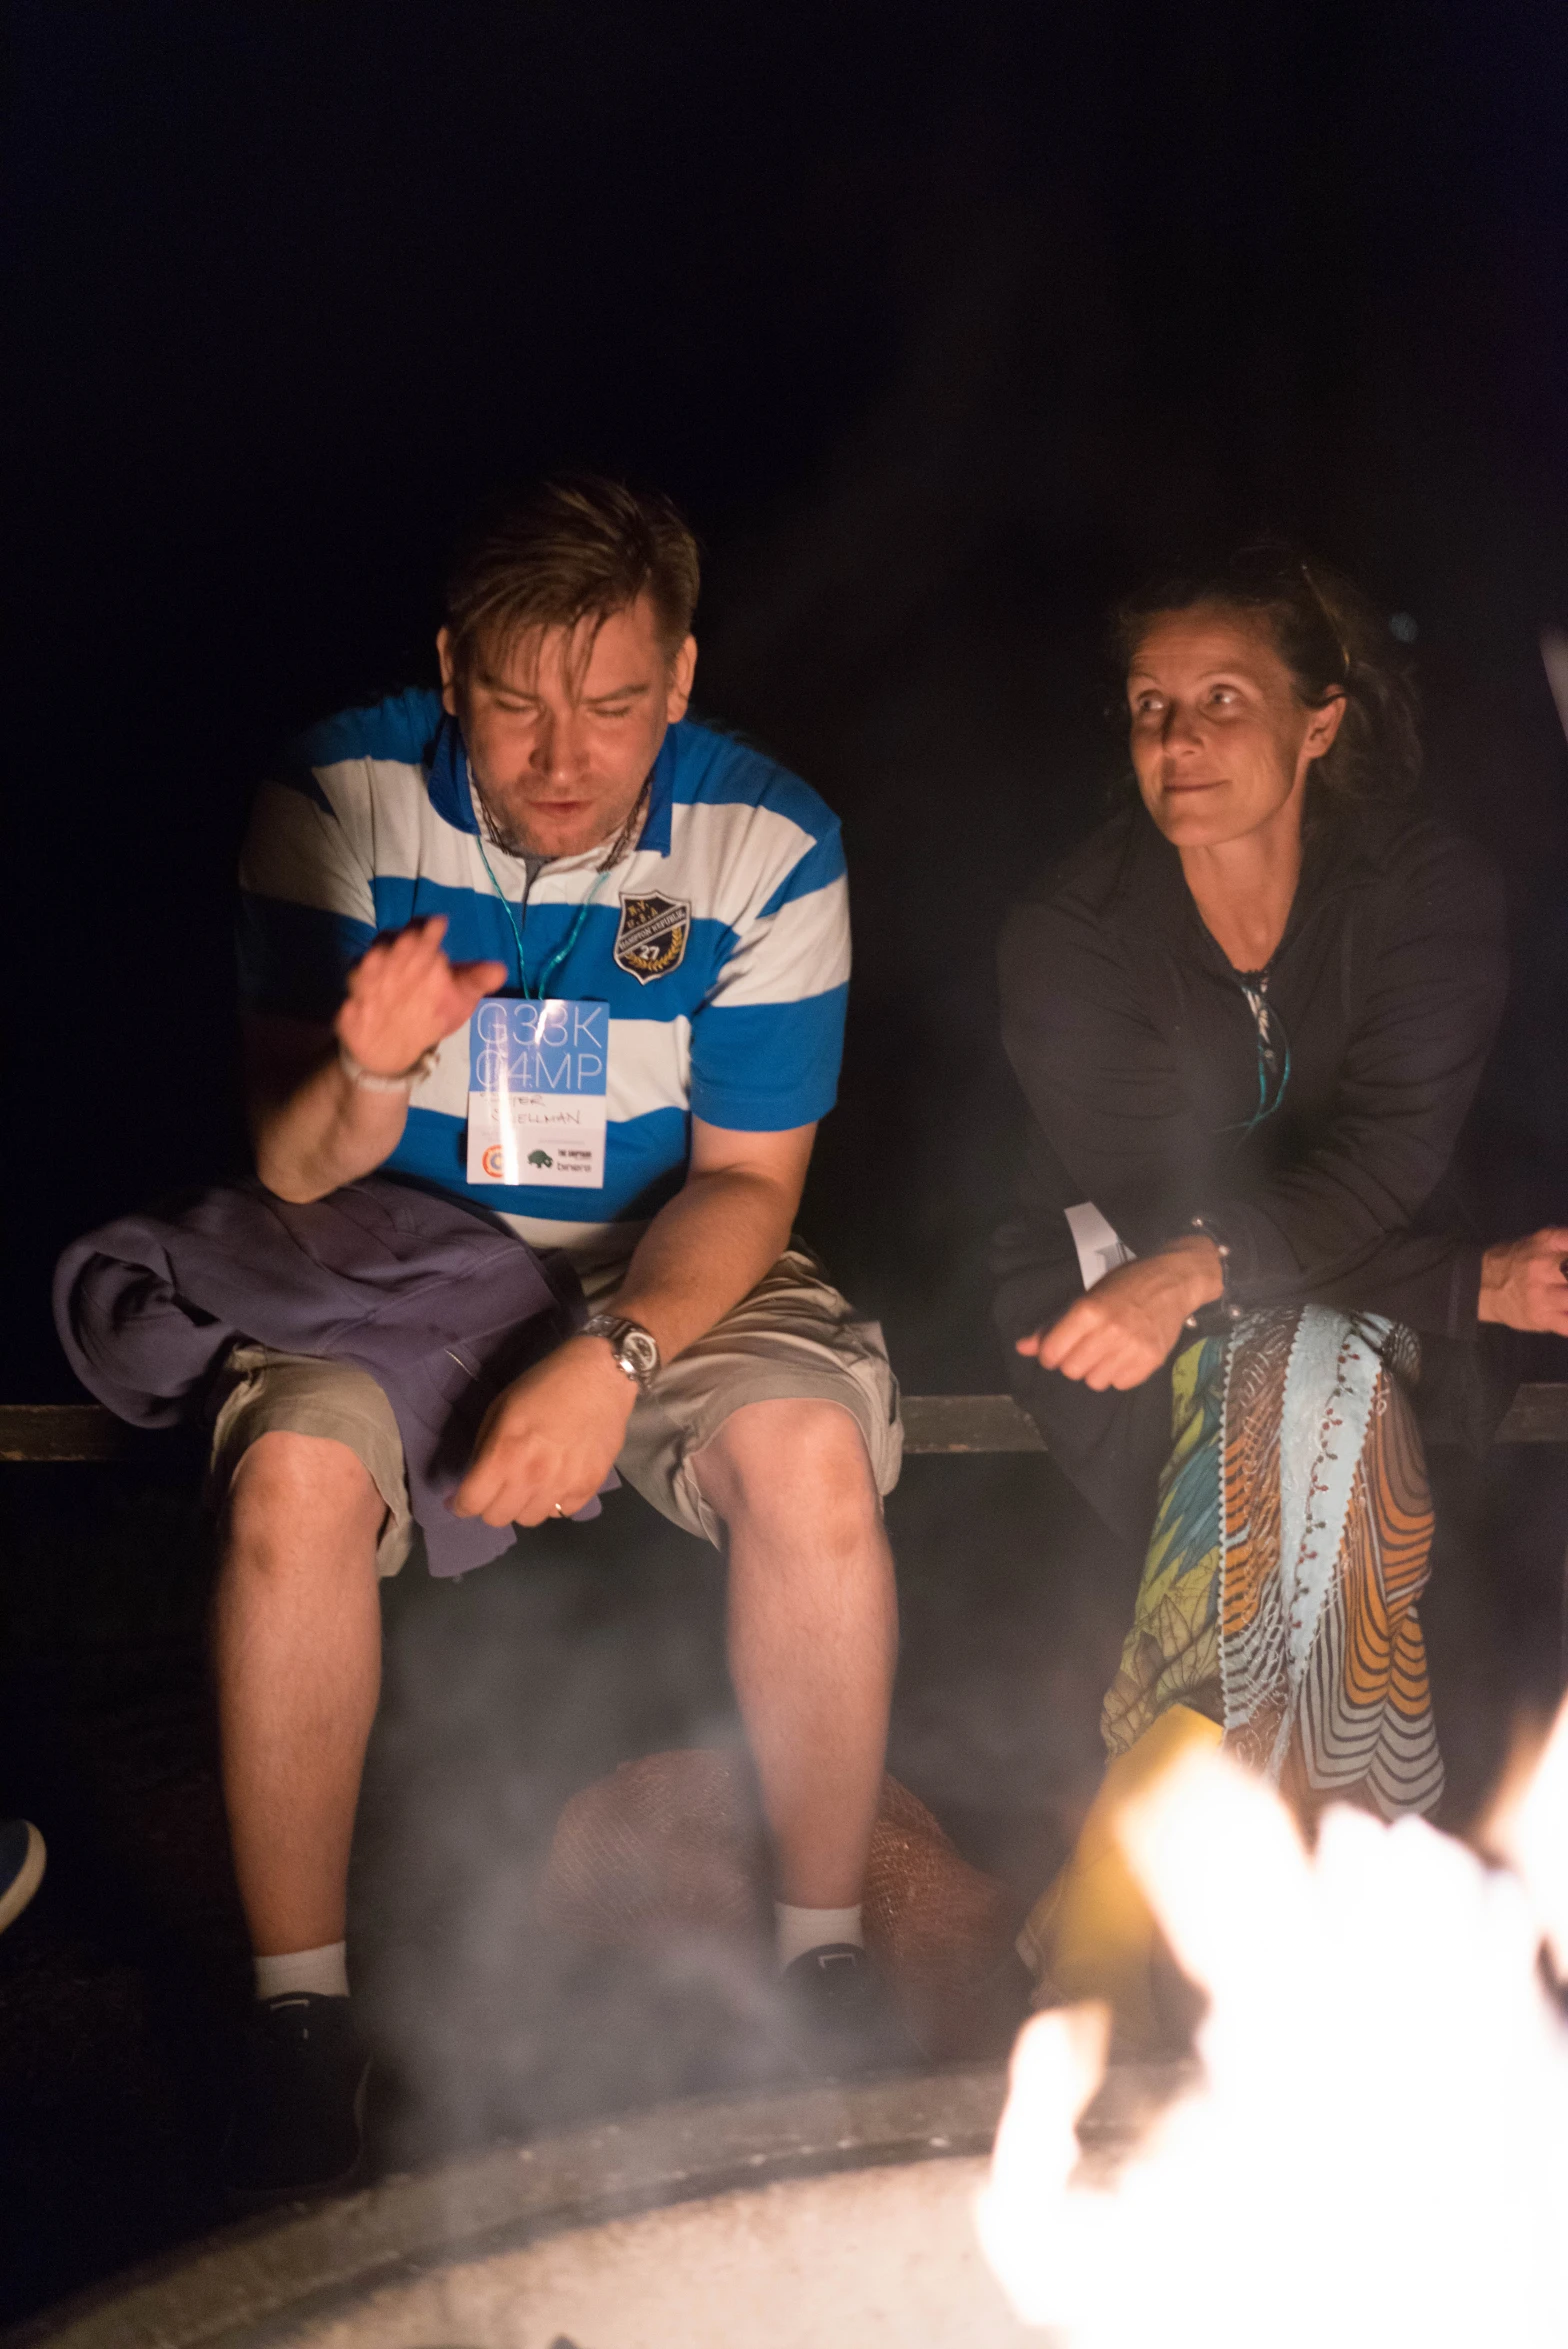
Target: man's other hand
404	996
548	1443
1525	1282
1124	1328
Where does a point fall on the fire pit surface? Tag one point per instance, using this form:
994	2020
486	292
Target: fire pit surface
829	2215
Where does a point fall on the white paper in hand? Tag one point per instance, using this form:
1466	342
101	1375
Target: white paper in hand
1100	1248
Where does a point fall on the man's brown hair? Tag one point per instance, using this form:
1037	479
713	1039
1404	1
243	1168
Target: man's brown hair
572	549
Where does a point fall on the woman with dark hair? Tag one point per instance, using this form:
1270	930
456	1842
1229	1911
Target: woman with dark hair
1249	1015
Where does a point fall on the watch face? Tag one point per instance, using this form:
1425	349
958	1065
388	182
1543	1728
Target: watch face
640	1351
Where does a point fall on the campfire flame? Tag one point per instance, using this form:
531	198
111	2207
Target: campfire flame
1377	2150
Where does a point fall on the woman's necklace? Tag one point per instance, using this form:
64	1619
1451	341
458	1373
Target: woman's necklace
1273	1047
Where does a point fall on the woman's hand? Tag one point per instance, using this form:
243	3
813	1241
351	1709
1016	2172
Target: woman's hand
1120	1333
1525	1282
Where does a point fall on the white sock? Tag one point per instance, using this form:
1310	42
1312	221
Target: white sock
323	1970
803	1929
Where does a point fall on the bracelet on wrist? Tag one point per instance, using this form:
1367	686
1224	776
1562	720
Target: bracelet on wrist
370	1081
1219	1312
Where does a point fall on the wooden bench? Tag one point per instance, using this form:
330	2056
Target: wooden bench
995	1423
949	1425
932	1423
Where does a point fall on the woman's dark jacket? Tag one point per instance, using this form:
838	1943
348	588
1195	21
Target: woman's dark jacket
1138	1056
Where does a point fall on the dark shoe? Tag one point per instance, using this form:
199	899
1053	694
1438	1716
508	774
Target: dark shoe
21	1867
298	2118
845	2021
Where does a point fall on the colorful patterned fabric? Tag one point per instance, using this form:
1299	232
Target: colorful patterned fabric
1290	1546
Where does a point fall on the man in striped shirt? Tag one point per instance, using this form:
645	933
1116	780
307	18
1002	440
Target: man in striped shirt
549	877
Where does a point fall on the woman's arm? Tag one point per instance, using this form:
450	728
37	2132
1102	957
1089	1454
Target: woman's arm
1337	1224
1107	1095
1099	1074
1119	1333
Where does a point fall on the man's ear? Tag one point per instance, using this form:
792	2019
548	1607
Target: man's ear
682	670
448	672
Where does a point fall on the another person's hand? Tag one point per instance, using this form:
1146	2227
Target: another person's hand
1125	1327
550	1440
1525	1282
404	996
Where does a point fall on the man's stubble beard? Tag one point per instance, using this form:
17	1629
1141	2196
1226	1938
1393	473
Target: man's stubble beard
509	838
500	831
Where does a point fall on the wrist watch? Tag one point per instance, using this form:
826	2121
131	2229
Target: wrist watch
635	1349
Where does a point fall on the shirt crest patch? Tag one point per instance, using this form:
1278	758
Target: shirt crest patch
652	936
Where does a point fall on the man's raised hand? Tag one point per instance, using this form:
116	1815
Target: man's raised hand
404	996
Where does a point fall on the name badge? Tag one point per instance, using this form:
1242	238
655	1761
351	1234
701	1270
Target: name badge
537	1075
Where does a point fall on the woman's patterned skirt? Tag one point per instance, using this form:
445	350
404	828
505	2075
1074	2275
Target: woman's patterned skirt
1290	1545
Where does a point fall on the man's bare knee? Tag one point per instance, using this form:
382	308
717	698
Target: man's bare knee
295	1497
804	1460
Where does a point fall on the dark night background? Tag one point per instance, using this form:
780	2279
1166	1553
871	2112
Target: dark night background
942	323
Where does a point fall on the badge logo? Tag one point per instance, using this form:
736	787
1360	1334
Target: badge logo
652	937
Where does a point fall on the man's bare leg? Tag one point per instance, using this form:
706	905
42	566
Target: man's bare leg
813	1633
297	1656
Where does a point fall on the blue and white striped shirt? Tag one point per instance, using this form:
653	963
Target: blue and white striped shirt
720	943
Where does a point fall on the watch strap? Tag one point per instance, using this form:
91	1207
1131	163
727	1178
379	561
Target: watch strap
615	1328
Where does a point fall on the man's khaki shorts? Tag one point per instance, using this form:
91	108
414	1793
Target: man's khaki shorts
794	1338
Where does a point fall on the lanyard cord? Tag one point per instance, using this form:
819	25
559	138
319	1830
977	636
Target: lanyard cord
561	953
617	850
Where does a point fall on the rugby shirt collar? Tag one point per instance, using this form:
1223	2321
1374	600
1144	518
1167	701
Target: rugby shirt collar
655	833
446	780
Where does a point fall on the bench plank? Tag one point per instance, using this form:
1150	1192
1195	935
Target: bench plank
1537	1415
932	1424
995	1423
62	1431
968	1423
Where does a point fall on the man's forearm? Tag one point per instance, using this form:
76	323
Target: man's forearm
323	1132
547	1442
705	1249
313	1126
